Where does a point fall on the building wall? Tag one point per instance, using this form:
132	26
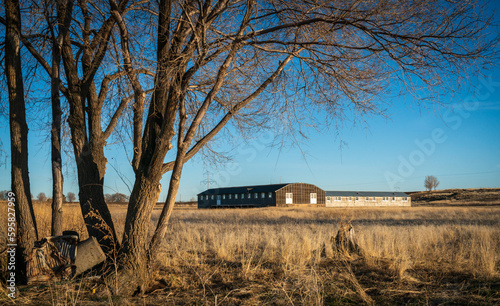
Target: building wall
372	201
301	194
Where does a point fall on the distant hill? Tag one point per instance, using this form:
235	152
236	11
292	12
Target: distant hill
457	197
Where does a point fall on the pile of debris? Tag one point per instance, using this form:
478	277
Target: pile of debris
62	257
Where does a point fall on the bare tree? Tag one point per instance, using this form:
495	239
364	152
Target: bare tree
4	194
26	224
85	120
83	45
235	62
71	197
41	197
431	182
45	12
57	32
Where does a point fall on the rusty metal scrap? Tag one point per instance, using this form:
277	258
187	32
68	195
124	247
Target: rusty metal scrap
52	258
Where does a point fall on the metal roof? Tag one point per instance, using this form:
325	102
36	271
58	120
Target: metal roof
366	194
244	189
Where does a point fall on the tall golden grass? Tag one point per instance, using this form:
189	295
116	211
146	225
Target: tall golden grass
405	244
278	254
465	240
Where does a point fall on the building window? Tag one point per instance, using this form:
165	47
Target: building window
256	195
249	196
367	199
357	198
270	194
236	196
386	198
289	198
263	195
350	198
405	199
337	198
223	196
229	197
242	196
373	199
206	197
394	198
328	199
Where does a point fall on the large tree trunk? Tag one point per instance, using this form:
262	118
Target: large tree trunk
57	177
158	133
135	243
25	217
95	211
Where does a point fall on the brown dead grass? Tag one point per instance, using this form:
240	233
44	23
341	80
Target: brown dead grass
419	255
457	197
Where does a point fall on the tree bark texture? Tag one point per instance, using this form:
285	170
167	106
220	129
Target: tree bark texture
96	214
25	217
135	243
57	177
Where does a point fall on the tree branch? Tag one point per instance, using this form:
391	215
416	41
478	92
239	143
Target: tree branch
234	110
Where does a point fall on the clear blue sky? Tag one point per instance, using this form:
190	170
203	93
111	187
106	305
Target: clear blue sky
460	145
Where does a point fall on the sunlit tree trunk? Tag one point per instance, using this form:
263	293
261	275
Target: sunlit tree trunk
57	177
26	223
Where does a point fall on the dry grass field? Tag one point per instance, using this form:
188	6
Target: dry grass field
414	255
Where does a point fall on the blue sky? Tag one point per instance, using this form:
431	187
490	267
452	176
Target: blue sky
459	144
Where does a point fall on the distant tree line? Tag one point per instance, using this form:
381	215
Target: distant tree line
71	197
116	198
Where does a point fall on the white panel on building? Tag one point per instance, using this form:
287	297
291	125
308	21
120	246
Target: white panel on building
313	197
